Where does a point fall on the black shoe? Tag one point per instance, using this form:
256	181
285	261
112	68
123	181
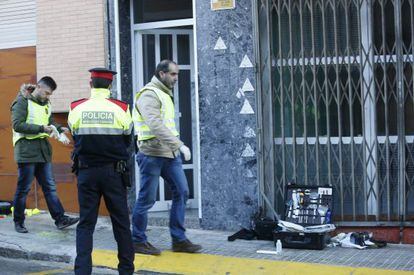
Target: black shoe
146	248
20	228
66	221
185	246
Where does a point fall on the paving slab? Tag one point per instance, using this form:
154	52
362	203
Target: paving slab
45	242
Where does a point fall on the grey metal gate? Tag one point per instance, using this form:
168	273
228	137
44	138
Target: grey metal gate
336	104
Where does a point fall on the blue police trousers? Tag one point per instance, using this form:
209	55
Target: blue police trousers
93	183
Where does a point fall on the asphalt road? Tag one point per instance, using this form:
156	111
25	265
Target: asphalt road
22	266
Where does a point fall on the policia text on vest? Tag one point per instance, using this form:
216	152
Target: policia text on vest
97	118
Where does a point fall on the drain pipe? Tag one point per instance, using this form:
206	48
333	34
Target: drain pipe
117	52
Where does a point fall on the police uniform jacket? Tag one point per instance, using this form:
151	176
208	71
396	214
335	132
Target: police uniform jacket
101	128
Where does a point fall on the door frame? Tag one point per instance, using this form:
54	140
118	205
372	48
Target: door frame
137	30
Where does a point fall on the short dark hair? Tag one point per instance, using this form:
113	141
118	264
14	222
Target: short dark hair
102	83
163	66
48	81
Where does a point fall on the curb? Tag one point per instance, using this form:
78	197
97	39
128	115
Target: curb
9	252
198	263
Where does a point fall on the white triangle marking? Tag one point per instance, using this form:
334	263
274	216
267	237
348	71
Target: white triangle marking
249	132
246	63
249	174
247	86
248	151
247	108
240	93
220	44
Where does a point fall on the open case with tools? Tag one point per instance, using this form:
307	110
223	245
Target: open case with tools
306	206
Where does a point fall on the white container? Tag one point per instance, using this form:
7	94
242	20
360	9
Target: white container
278	247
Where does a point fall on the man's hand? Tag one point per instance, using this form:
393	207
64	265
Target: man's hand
64	139
55	134
47	129
65	130
186	152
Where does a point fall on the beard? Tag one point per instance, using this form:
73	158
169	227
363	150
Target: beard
167	84
41	100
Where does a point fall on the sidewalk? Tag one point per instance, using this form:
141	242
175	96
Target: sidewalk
45	242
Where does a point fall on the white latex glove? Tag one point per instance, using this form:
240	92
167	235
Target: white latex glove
60	137
186	152
55	133
64	139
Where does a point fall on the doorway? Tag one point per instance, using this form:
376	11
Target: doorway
152	46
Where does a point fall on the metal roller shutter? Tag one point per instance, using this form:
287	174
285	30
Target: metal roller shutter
17	23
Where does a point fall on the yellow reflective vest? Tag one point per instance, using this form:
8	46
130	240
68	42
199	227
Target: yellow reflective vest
36	114
100	115
167	114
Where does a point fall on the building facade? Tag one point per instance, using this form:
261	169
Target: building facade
215	96
60	39
314	92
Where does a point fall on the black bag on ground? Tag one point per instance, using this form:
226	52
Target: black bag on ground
242	234
263	226
5	208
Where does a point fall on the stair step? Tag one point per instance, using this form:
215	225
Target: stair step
162	218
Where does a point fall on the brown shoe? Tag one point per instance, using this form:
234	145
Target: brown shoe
185	246
146	248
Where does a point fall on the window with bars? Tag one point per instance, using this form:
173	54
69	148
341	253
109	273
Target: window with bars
316	63
323	51
341	98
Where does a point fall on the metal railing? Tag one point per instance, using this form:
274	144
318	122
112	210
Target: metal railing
337	104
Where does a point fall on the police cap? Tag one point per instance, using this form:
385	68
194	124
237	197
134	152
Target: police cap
102	73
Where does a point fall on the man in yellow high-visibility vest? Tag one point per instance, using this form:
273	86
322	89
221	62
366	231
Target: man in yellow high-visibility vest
159	155
32	120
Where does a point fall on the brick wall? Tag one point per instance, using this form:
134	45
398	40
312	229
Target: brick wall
70	40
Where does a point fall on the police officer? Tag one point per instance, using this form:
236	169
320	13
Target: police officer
101	128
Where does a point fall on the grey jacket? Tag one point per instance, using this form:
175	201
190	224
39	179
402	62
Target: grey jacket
149	106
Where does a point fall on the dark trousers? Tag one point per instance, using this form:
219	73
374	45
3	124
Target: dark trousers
93	183
44	176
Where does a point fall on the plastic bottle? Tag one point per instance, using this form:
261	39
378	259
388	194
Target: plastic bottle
278	247
328	216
